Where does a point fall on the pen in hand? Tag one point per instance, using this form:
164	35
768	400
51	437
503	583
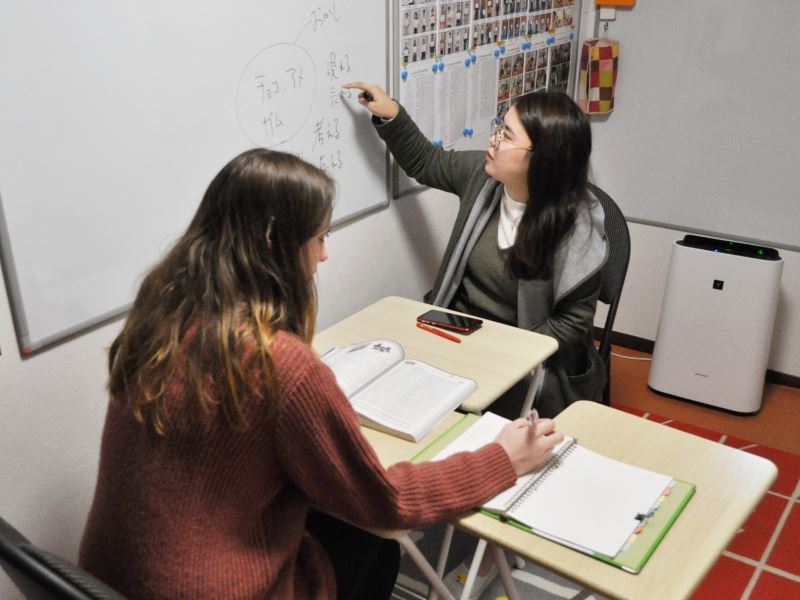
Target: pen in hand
438	332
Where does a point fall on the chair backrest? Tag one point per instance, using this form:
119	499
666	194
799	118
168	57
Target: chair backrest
40	575
615	269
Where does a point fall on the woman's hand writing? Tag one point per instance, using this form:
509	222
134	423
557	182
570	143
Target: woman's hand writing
529	445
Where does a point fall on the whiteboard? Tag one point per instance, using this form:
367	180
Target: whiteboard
705	132
115	116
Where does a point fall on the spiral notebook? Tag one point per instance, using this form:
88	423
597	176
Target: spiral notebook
582	499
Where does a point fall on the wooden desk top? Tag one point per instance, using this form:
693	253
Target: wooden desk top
730	483
496	356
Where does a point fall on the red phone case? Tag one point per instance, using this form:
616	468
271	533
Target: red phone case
450	326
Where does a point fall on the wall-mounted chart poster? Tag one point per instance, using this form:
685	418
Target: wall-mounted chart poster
460	63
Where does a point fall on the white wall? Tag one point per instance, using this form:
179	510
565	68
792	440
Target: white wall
52	405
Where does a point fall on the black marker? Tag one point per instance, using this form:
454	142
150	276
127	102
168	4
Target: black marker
367	96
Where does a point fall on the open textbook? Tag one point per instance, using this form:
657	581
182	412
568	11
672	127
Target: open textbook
608	509
403	397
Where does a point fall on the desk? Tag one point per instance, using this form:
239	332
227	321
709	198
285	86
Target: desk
496	356
730	483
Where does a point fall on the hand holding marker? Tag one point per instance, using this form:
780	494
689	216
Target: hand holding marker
375	99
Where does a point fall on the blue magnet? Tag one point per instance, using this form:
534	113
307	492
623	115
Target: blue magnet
435	67
496	52
502	49
441	66
470	131
467	62
465	132
403	75
551	40
473	58
571	35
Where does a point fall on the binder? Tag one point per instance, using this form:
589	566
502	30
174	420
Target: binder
590	528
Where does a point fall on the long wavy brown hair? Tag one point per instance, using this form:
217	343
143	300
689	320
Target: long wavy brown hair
205	315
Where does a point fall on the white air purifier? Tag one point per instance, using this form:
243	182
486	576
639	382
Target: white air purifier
715	329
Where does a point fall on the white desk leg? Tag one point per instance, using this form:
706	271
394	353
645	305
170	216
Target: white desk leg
537	379
473	569
505	572
424	566
444	551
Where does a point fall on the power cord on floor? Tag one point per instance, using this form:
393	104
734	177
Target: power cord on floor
632	357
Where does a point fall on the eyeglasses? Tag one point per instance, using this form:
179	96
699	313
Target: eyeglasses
498	133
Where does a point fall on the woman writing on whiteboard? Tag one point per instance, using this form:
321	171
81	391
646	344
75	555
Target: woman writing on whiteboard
528	244
224	427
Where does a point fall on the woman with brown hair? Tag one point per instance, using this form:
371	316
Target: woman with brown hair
224	427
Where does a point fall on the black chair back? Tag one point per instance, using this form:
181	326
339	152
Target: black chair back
614	272
41	575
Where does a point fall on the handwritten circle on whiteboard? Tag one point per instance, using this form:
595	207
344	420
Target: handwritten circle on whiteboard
275	94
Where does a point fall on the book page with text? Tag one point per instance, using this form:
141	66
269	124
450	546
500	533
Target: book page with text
355	366
412	397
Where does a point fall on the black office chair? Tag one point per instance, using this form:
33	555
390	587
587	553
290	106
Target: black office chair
40	575
614	271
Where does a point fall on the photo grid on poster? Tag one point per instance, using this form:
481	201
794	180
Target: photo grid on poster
463	62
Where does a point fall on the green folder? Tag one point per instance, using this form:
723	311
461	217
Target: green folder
441	441
639	547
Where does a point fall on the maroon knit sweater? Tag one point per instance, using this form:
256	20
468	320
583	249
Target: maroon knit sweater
221	514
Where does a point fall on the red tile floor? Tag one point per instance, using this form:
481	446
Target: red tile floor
762	561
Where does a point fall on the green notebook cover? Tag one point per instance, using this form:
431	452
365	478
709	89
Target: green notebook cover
441	441
639	547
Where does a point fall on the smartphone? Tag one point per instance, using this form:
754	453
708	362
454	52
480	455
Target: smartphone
460	323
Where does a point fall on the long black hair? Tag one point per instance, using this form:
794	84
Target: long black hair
557	174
